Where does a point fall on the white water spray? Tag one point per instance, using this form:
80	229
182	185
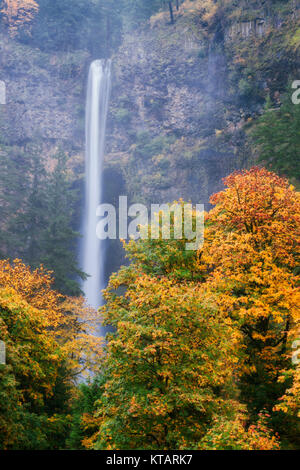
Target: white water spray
96	115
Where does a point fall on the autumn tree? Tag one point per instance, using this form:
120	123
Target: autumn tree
289	403
190	346
29	377
71	322
18	13
169	366
48	344
252	248
233	434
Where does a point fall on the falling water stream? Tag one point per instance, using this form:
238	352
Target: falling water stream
96	116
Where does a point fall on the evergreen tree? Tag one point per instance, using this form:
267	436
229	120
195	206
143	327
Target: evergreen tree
58	239
84	425
21	194
37	209
277	134
30	223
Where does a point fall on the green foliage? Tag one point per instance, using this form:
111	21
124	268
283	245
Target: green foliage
24	426
277	135
295	40
34	396
166	258
122	116
177	315
165	374
58	238
36	209
148	146
170	375
245	87
76	24
86	24
136	12
231	434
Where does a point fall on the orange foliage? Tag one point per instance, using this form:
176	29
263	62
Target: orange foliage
49	342
233	435
252	247
182	332
18	13
67	320
290	402
25	334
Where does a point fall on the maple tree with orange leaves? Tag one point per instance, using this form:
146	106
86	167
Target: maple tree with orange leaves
202	338
252	248
68	319
18	13
49	342
170	365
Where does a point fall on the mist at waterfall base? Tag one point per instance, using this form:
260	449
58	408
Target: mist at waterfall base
93	249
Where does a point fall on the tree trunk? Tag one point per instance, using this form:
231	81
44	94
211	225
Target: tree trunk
108	35
171	12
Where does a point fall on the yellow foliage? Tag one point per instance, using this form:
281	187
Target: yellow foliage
67	320
252	248
18	13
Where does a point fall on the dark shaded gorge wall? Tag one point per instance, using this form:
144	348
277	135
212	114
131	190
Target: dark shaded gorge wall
184	97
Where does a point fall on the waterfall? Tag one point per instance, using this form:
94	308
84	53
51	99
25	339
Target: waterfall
96	115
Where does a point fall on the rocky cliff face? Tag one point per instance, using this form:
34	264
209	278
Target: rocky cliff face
166	109
44	98
182	98
184	94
